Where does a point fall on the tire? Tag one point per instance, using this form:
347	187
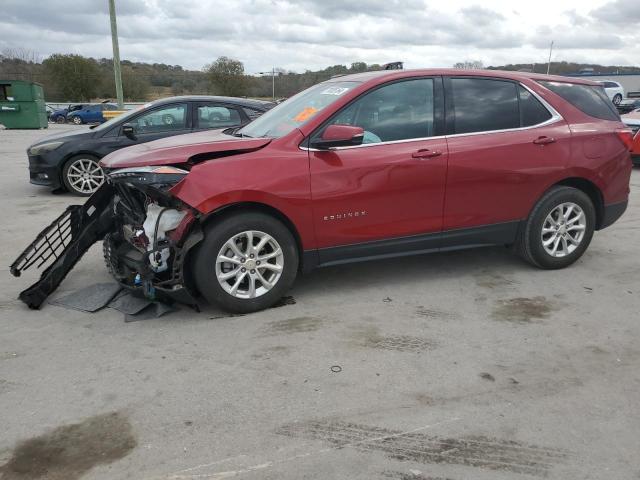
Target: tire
617	98
83	186
168	119
76	120
61	119
206	266
546	214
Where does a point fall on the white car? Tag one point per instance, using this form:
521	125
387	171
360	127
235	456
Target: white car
614	90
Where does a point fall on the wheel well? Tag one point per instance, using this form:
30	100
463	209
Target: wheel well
258	207
592	191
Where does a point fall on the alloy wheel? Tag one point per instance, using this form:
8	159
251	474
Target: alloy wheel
77	120
249	264
85	175
563	229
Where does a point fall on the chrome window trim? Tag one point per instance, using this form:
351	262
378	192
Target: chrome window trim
555	117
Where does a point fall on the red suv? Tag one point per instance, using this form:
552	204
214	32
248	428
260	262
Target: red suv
372	165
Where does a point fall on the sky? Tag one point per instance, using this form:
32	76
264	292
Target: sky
313	34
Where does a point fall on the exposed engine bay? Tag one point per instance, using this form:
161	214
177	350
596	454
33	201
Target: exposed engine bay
146	236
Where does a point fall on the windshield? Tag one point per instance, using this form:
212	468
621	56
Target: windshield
296	111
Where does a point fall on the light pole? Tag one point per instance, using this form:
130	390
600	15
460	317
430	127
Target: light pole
116	54
273	81
549	63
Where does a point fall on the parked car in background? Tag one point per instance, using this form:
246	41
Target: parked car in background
628	104
632	120
372	165
614	90
90	113
635	150
60	115
49	109
70	160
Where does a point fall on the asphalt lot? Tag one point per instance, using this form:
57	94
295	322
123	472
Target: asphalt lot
466	365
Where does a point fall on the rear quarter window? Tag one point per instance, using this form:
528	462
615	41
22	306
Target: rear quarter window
587	98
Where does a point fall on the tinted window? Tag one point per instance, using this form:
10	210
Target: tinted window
532	112
610	85
398	111
589	99
217	116
171	117
482	105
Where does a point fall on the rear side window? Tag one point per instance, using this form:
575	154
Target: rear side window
482	105
610	85
587	98
532	112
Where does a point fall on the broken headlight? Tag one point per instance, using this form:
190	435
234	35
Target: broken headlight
162	175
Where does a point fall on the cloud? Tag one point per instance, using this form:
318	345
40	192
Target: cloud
619	12
311	34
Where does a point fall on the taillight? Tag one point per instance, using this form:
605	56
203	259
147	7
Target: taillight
626	137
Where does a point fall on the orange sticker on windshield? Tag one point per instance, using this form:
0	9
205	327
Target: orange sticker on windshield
306	114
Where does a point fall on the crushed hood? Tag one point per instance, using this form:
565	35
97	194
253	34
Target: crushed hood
180	149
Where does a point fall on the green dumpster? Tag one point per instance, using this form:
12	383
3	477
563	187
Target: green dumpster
22	104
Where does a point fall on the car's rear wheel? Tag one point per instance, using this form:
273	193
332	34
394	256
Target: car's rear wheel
617	98
61	119
76	120
559	229
82	175
168	119
246	262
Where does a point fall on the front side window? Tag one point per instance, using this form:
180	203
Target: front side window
169	118
296	111
482	105
589	99
217	116
398	111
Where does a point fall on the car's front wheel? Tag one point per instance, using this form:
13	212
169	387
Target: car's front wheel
559	229
82	175
61	119
617	99
246	262
76	120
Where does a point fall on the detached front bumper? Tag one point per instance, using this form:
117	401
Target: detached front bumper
143	252
63	243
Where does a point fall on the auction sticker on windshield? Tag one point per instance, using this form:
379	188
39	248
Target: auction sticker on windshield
334	91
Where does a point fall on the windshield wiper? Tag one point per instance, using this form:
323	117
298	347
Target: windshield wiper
234	131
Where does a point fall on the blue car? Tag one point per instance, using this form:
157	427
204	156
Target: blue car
60	115
90	113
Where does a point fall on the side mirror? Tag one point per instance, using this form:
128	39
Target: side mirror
339	136
129	131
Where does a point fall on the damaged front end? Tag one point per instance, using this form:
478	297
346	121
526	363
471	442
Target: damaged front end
146	235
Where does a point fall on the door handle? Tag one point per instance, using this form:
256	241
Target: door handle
426	153
544	140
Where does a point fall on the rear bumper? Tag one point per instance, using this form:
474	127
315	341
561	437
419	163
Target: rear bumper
612	213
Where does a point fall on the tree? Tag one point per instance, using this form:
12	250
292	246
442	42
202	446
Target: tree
227	77
469	65
75	77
